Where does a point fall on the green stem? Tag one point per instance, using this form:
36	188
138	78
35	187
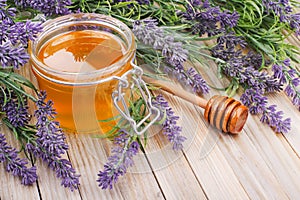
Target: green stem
8	83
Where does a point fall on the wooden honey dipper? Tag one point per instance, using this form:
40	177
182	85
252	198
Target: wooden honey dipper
224	113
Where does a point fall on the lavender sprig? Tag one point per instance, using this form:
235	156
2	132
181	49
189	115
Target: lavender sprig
14	37
287	75
170	127
6	13
50	143
16	113
257	103
122	153
48	7
240	67
283	10
16	165
12	56
243	71
147	32
205	19
50	136
275	120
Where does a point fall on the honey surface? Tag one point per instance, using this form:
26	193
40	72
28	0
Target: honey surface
81	50
81	108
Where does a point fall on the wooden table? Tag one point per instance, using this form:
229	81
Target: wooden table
257	164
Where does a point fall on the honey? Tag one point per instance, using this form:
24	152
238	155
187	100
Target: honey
72	65
81	51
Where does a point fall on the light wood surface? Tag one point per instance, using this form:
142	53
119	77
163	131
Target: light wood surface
256	164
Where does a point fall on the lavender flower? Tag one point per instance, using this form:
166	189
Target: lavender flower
50	143
6	13
48	7
274	120
294	21
50	136
244	71
240	66
14	37
170	127
16	165
257	103
254	99
23	32
207	19
149	33
12	56
283	10
16	113
175	55
195	79
288	76
122	153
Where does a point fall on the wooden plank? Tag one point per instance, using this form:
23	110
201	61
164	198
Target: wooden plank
11	187
272	148
171	168
207	161
89	155
284	103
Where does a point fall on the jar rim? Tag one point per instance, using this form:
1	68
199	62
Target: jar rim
89	18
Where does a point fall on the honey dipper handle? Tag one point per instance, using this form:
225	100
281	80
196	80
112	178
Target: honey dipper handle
175	90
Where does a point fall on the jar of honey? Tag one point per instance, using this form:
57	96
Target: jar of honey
76	60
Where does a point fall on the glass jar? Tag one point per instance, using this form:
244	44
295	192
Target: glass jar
74	60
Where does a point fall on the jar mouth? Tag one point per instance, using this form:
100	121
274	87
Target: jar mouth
82	21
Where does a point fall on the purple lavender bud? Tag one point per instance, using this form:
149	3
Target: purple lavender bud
241	66
170	127
50	143
208	19
284	10
292	72
277	69
175	55
6	12
275	120
16	113
296	81
50	135
287	62
64	171
195	2
254	100
198	84
295	23
149	33
290	91
48	7
31	30
119	161
228	19
16	165
11	56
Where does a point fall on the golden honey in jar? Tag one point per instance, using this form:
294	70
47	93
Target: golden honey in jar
73	60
